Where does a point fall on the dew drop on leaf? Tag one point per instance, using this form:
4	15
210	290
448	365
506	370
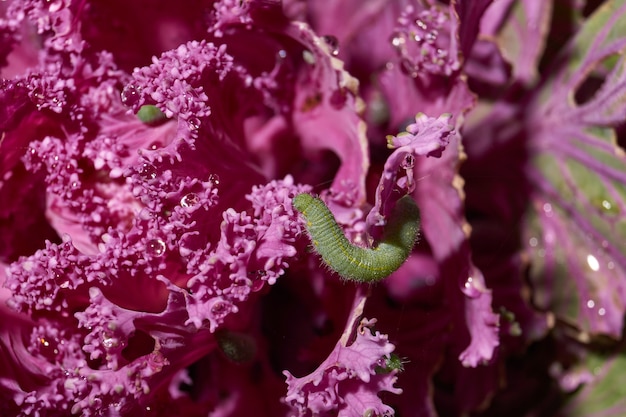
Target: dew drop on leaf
281	55
214	179
109	341
593	263
333	44
194	123
130	95
148	171
156	247
189	200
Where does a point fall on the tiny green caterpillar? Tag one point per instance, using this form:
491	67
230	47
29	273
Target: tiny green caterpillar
353	262
150	114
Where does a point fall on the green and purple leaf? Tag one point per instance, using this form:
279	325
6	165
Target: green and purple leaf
576	226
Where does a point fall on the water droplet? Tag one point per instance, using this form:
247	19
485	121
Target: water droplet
259	272
109	341
55	162
601	311
131	95
194	123
607	205
189	200
333	44
533	241
472	288
610	265
214	179
593	263
281	55
156	247
220	309
148	171
591	304
468	283
547	208
397	41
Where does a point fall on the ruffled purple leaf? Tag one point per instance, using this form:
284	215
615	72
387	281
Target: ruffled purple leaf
122	333
347	383
438	191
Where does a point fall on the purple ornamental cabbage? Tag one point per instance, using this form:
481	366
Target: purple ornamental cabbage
152	262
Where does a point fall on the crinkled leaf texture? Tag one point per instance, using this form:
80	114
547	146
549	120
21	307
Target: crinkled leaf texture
346	384
576	222
142	240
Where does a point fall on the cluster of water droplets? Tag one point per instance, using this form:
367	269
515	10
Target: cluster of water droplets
192	199
594	263
157	247
422	41
592	305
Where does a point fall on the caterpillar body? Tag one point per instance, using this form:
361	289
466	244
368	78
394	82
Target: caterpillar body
351	261
150	114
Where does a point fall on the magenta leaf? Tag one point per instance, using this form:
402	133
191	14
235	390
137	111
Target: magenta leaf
347	383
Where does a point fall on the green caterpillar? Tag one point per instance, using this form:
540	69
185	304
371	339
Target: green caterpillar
150	114
353	262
